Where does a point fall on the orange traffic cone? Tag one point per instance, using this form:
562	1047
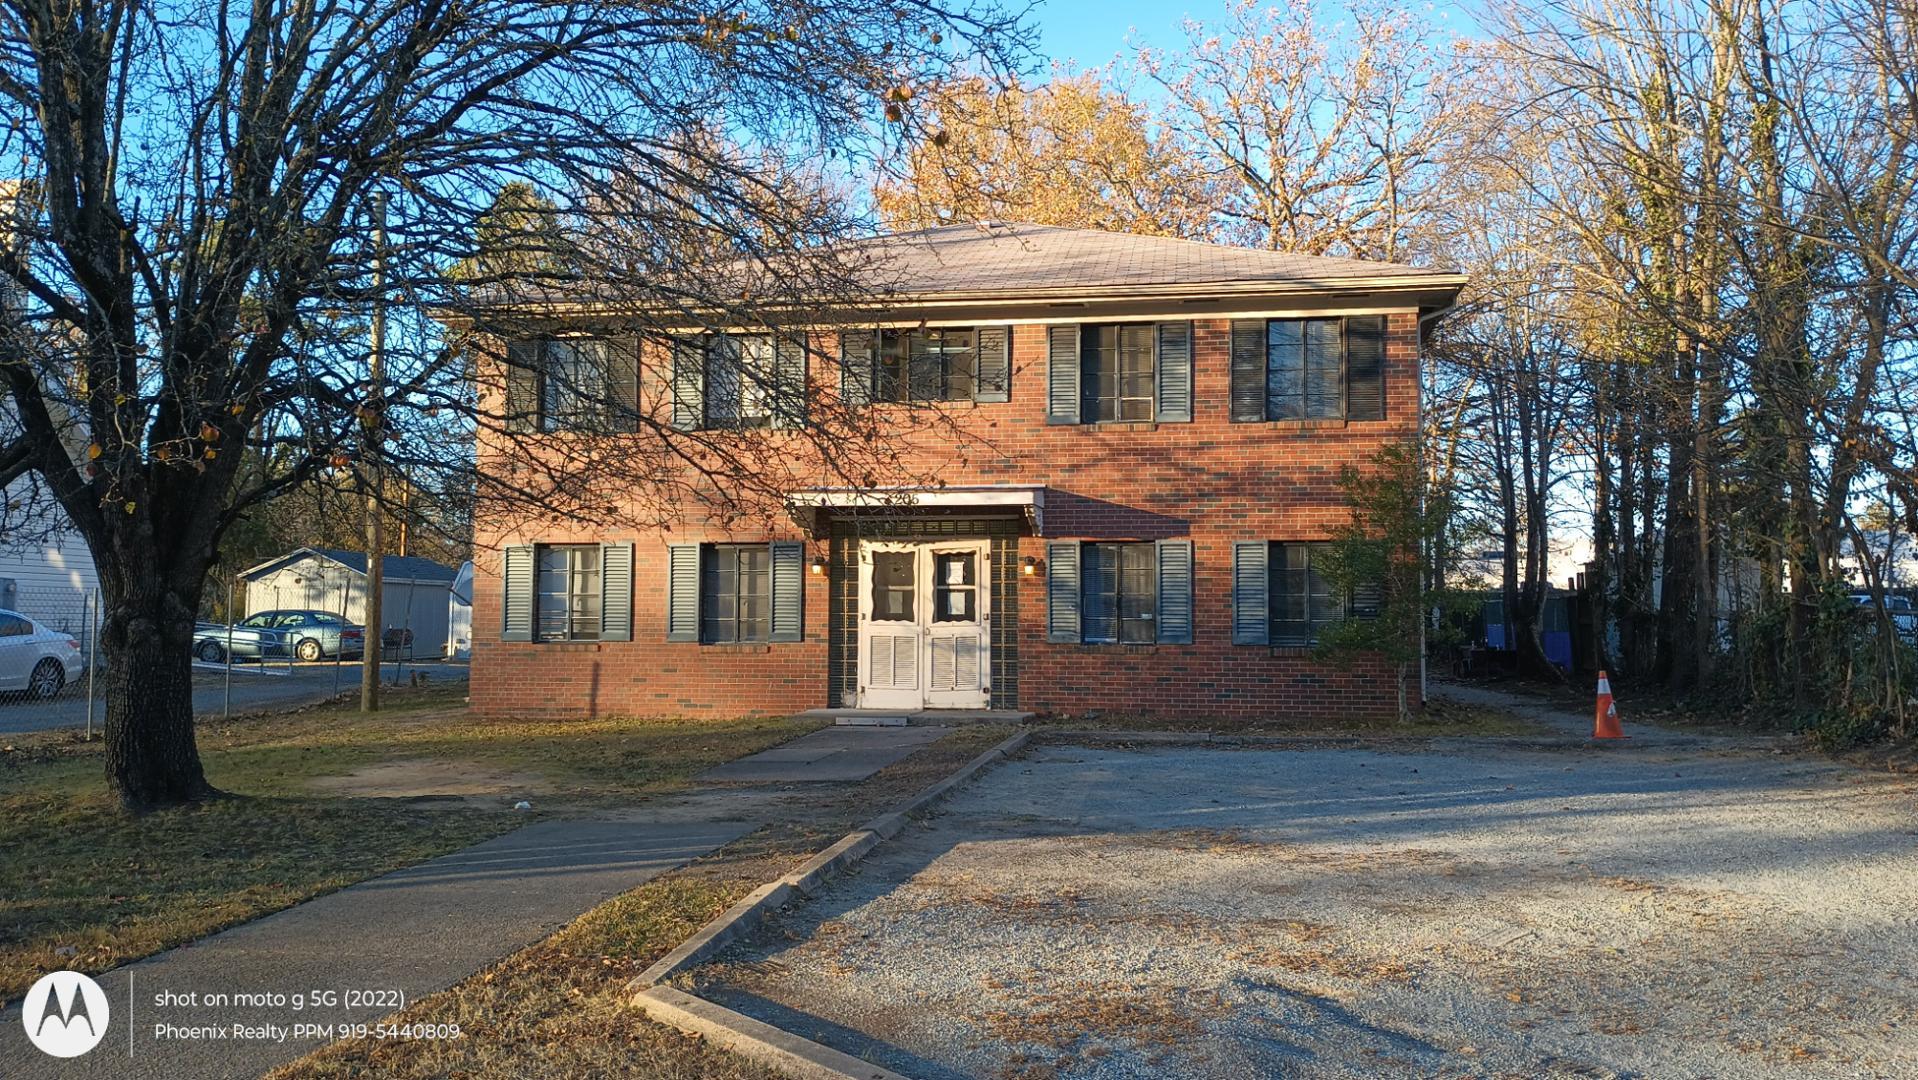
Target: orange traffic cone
1605	725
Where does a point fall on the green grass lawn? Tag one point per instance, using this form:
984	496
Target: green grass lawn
87	887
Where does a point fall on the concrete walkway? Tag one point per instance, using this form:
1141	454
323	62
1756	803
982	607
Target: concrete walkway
374	946
829	755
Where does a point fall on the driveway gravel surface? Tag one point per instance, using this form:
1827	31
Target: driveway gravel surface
1465	910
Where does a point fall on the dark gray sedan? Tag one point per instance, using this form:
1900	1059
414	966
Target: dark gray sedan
299	633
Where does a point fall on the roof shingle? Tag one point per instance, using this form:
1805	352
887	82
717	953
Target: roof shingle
1009	259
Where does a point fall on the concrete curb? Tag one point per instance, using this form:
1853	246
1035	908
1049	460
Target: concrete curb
1069	737
811	875
754	1039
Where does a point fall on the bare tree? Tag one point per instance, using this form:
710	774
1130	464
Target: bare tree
196	259
1328	131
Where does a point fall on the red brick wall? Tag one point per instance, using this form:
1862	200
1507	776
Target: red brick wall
1211	480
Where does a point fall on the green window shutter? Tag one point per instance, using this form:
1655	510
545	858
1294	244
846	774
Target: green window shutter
522	385
858	353
1251	593
994	352
516	593
1365	367
620	356
1062	591
789	382
1248	370
1062	374
789	591
689	384
1175	372
1175	592
682	592
615	592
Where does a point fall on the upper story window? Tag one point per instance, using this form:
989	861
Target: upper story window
1110	372
932	364
738	381
1309	369
741	381
581	384
1118	377
936	363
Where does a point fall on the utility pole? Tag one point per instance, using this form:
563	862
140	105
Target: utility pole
372	432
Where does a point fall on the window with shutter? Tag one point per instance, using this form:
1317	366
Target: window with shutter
1119	593
723	594
1062	374
1175	591
995	364
689	383
1365	367
788	591
789	382
939	363
1251	593
742	380
682	592
1308	369
858	352
572	391
1303	601
736	593
566	597
1062	592
1118	376
616	592
516	593
1175	372
522	386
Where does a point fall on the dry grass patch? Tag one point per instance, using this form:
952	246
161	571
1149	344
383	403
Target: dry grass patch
87	887
559	1008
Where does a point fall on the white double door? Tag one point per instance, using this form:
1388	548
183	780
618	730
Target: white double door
924	625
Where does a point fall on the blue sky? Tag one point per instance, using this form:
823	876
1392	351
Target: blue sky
1092	32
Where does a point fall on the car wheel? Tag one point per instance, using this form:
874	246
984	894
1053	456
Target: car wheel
47	678
309	650
210	652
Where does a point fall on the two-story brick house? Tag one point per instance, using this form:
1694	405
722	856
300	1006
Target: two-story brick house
1161	427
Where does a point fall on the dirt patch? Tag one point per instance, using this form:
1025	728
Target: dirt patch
430	778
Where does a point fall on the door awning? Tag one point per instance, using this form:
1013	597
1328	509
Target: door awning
812	508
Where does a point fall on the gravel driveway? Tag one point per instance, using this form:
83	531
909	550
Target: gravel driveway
1464	911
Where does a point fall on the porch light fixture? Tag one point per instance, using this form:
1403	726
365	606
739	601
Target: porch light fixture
818	565
1029	566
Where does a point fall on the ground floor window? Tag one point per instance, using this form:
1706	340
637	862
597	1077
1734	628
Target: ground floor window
567	594
1303	601
735	598
1120	592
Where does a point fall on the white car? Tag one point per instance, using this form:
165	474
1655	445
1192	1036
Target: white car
34	658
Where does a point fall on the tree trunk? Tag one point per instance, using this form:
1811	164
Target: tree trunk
152	760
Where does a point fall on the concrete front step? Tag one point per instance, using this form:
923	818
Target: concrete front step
927	717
